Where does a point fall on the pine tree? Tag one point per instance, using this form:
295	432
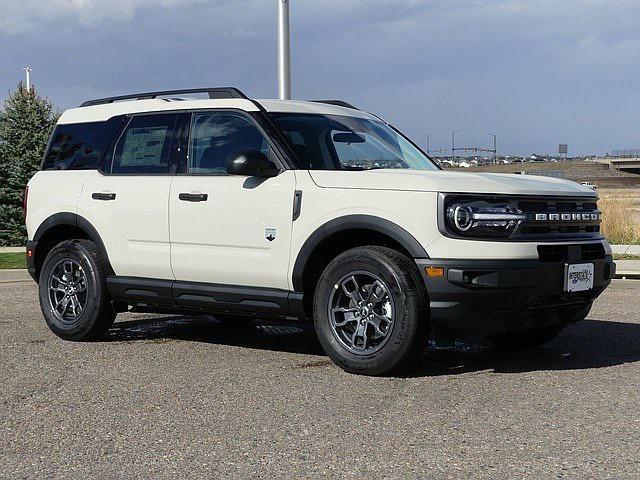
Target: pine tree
25	126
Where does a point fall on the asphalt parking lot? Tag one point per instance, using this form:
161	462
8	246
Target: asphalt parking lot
178	397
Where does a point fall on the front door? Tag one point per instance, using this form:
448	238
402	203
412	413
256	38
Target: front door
229	229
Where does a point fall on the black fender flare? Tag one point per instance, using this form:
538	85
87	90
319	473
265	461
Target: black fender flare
349	222
74	220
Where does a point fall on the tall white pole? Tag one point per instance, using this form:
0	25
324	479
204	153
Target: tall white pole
27	73
284	51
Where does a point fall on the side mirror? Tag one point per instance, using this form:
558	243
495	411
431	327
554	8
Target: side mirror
251	163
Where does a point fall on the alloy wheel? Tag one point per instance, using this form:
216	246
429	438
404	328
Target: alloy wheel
67	290
361	312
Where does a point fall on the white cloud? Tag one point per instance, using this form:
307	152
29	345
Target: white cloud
543	67
22	16
19	16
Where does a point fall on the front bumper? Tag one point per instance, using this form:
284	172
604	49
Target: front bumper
489	297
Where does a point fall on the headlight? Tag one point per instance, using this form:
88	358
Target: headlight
472	217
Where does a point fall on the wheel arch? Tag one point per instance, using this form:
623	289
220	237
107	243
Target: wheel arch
344	233
64	226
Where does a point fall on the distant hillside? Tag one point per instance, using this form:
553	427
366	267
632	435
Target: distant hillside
597	173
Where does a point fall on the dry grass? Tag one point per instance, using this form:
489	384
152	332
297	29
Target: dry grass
618	223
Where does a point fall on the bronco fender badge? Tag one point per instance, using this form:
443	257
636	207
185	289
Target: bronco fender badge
270	234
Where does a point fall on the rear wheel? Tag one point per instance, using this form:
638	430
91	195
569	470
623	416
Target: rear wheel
370	311
73	291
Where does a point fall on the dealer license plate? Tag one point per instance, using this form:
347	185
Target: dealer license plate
578	277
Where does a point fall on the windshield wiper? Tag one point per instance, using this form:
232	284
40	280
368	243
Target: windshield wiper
360	169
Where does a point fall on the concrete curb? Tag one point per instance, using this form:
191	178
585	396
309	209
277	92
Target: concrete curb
627	269
15	275
626	249
12	249
627	275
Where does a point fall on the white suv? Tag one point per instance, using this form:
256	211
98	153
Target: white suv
313	210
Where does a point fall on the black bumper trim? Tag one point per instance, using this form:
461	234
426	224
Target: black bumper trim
31	259
488	297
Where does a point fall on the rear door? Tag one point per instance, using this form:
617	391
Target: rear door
128	203
229	229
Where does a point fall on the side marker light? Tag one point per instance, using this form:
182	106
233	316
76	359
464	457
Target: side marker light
434	271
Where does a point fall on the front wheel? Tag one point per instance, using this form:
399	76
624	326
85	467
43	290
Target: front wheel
370	311
73	291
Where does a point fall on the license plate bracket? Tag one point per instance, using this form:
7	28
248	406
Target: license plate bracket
578	277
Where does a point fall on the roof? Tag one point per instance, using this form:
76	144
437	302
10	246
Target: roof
104	111
299	106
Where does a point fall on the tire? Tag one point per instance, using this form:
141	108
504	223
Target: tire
395	330
73	278
541	336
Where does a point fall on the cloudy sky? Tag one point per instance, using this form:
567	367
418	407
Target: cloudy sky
535	72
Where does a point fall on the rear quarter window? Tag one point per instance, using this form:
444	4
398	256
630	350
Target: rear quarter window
79	146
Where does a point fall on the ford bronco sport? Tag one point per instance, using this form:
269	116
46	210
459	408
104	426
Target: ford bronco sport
313	210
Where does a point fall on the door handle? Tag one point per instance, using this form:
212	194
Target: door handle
103	196
193	197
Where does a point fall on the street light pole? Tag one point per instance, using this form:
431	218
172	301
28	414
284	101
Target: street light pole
495	150
428	142
27	73
453	145
284	51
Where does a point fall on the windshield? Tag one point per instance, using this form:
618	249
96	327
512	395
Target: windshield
335	142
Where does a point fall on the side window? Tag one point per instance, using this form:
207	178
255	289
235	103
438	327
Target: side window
71	147
144	146
217	136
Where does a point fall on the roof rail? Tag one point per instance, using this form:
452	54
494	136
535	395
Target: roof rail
216	92
338	103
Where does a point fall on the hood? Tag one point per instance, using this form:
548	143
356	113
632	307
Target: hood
448	181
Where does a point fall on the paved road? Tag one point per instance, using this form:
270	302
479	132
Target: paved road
170	397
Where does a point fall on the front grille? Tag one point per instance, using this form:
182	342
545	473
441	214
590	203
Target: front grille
549	230
560	300
553	253
573	253
543	206
558	218
592	251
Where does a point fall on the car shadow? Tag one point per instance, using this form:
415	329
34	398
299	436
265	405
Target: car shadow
584	345
293	337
